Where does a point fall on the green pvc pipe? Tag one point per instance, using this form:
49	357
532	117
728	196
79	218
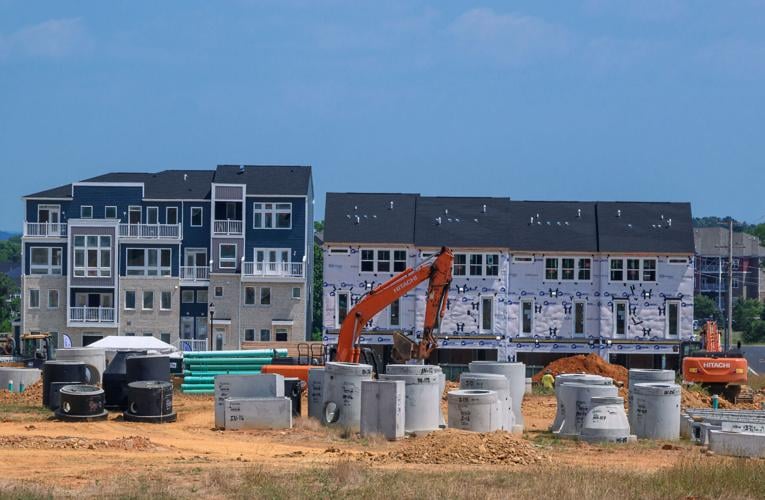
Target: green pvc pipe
226	361
228	372
236	354
199	380
208	387
199	391
217	368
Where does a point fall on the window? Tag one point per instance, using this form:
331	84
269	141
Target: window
148	299
86	212
165	301
460	264
395	313
620	317
281	334
110	212
584	269
636	269
342	307
171	215
265	296
649	269
148	334
383	261
129	334
217	293
196	216
523	259
187	296
92	256
249	334
34	298
617	270
527	317
249	295
89	339
551	269
272	216
633	269
476	264
149	261
295	292
265	335
202	295
227	258
568	269
164	337
152	215
339	251
129	299
367	261
492	264
134	215
52	299
487	314
399	260
579	308
678	260
673	318
45	260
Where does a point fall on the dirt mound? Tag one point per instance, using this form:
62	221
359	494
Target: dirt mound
456	447
32	396
132	443
591	363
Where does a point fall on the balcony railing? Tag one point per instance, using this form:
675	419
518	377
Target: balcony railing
195	273
45	229
273	269
227	227
190	345
151	231
91	314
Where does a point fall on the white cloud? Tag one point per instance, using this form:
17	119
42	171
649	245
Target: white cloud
509	38
54	38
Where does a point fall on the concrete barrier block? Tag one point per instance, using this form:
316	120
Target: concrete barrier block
262	385
258	413
754	428
315	394
383	408
738	444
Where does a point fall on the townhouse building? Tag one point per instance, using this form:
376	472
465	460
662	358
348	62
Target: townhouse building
172	254
532	280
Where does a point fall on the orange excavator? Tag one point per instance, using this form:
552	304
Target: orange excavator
437	270
723	372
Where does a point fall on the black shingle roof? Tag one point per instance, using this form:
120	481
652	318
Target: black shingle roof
265	180
64	191
462	222
166	185
645	227
369	218
565	226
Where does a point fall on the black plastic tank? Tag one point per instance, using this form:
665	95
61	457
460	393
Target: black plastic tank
148	367
292	389
54	395
115	380
150	401
66	371
81	403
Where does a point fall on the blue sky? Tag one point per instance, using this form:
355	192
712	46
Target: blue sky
635	100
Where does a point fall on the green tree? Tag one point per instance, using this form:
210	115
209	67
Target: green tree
745	312
10	250
8	306
318	285
755	333
759	231
705	308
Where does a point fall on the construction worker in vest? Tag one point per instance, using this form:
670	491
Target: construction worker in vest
548	381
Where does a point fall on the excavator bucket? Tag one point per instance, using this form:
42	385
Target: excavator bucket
403	347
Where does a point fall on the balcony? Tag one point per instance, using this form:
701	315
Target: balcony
227	227
195	273
151	231
273	270
91	316
45	229
192	345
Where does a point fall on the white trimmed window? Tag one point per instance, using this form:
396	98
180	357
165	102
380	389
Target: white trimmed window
86	212
196	216
632	269
523	259
34	298
171	215
249	295
296	292
551	268
580	307
265	335
148	299
395	313
475	264
227	252
487	314
110	212
130	299
52	299
165	301
149	262
382	260
45	260
673	318
527	316
92	256
249	334
152	215
568	268
272	215
265	296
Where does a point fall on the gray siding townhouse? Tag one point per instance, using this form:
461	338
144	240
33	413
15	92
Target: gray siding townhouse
171	254
532	280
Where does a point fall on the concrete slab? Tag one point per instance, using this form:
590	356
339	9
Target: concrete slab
258	413
21	377
262	385
737	444
383	408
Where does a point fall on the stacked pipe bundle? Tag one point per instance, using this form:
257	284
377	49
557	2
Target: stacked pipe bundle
200	368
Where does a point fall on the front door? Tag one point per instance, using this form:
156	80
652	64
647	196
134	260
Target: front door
50	215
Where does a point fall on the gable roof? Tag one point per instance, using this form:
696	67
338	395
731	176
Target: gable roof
167	184
553	226
713	242
267	179
645	227
369	218
461	222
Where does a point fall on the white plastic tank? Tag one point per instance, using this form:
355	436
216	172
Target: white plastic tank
90	355
576	398
516	375
422	409
657	411
314	390
497	383
342	393
645	376
565	378
606	421
473	410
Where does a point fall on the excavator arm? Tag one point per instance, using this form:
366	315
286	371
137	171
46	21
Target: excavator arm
437	269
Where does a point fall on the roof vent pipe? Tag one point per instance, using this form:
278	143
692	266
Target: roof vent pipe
241	168
531	221
185	177
358	219
483	209
669	222
438	221
446	211
391	205
578	213
618	213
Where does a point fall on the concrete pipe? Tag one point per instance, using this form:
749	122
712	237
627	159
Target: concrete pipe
315	396
576	399
500	385
422	406
565	378
516	375
473	410
89	355
342	393
416	369
606	422
657	411
645	376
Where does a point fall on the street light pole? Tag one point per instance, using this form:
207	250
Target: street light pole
211	310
